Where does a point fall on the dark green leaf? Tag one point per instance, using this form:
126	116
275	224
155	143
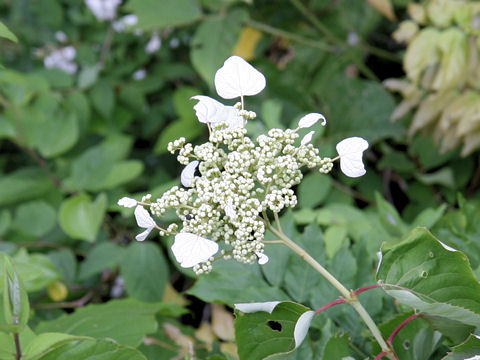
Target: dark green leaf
102	256
469	349
36	218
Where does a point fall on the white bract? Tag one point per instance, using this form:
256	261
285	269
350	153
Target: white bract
350	151
188	174
62	59
302	326
61	36
144	220
310	120
262	258
127	202
190	249
154	44
103	9
139	74
237	78
209	110
125	22
268	306
307	138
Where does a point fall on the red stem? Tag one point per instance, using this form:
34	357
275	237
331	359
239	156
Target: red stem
333	303
400	327
381	355
365	288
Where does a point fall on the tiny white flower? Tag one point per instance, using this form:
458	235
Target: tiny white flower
229	210
144	220
237	78
188	173
209	110
190	249
154	44
262	258
307	138
125	22
310	120
127	202
139	74
62	59
351	151
61	36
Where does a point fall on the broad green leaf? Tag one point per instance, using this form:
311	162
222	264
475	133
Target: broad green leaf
15	307
264	335
51	144
444	176
24	184
8	350
214	41
7	130
36	218
103	98
65	262
429	217
455	330
227	277
122	172
422	273
334	238
88	76
104	349
145	272
45	343
6	33
313	190
467	350
81	218
154	14
35	270
337	347
389	217
126	321
5	221
102	256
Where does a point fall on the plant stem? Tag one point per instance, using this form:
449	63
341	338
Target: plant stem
400	327
353	301
329	305
18	349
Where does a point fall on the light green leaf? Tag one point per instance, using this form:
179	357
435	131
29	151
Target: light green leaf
35	270
313	189
44	343
429	217
109	320
145	272
444	177
81	218
103	98
65	262
337	347
153	14
422	273
214	41
88	76
5	221
123	172
36	218
389	217
6	33
334	238
26	183
104	349
102	256
263	335
50	144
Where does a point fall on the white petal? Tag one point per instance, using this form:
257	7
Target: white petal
238	78
302	326
142	236
262	258
190	249
445	246
310	120
229	209
188	173
259	306
307	138
127	202
154	44
144	220
351	151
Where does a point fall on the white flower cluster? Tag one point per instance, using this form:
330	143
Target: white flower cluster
233	183
62	59
103	9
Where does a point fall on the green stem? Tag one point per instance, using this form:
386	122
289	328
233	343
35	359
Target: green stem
352	300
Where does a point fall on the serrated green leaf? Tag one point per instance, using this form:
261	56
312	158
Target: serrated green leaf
6	33
80	217
469	349
126	321
45	343
422	273
145	272
261	335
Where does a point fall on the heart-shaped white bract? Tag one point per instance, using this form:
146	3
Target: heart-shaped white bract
302	326
237	78
351	152
310	120
307	138
191	249
188	173
144	220
127	202
209	110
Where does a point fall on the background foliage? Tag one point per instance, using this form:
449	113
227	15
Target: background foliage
73	144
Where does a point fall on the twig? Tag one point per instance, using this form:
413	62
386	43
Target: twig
67	304
18	349
400	327
107	44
